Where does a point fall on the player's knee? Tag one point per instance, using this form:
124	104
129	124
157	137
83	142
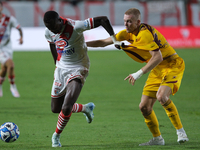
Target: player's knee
55	110
67	110
161	98
144	109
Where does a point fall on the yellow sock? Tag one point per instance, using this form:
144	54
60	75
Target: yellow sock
152	123
172	113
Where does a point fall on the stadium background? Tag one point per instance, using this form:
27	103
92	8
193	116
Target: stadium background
118	123
178	21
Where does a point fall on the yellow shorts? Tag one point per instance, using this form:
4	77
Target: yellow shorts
166	73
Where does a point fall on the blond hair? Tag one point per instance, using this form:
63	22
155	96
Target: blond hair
133	11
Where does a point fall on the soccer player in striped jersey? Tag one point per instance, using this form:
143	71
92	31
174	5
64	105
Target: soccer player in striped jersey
164	64
6	51
69	50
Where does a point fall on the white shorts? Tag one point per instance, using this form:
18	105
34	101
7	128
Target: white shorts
4	56
63	76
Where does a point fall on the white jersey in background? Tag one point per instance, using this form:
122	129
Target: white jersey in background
6	24
70	43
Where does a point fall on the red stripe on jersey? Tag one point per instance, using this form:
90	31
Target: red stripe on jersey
91	23
67	32
6	20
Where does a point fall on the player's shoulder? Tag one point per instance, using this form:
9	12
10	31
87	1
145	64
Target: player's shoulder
70	21
122	32
146	30
47	31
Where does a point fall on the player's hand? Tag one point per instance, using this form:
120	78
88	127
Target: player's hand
134	76
119	44
21	40
131	79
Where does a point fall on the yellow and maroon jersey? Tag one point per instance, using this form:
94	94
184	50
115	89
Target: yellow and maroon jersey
148	39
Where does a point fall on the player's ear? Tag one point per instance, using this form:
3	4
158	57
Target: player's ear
138	21
59	19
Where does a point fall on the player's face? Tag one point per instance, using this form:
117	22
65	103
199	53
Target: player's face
55	26
131	24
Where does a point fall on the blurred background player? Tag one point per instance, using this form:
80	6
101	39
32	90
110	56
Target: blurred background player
69	50
6	51
164	64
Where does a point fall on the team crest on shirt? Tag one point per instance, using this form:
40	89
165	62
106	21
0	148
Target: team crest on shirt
56	90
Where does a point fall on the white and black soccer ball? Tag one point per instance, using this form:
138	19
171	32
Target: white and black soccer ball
9	132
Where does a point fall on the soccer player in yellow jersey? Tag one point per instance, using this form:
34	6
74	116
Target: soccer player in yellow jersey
164	64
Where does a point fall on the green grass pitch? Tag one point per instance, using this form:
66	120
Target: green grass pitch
118	123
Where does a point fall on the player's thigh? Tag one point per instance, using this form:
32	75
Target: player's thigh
73	91
163	93
174	77
9	63
152	84
4	57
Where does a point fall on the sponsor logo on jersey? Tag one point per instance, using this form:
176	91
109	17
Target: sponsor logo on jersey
69	51
86	23
61	44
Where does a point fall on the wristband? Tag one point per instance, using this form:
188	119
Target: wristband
113	38
138	74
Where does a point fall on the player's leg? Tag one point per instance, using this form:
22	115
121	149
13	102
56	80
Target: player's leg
72	92
56	106
146	107
3	72
87	109
163	97
11	76
170	85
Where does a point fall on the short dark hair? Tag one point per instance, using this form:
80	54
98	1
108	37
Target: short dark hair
1	3
50	16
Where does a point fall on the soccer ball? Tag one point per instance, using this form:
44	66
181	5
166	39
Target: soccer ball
9	132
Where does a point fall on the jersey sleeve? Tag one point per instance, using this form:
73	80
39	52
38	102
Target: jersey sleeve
14	22
48	36
122	35
83	25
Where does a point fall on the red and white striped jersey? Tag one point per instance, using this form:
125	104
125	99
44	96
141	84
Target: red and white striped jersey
70	43
6	24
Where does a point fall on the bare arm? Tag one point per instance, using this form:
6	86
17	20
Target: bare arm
103	21
21	36
153	62
53	51
100	43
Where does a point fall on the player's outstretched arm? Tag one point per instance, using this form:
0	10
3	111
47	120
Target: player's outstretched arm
105	23
21	36
100	43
